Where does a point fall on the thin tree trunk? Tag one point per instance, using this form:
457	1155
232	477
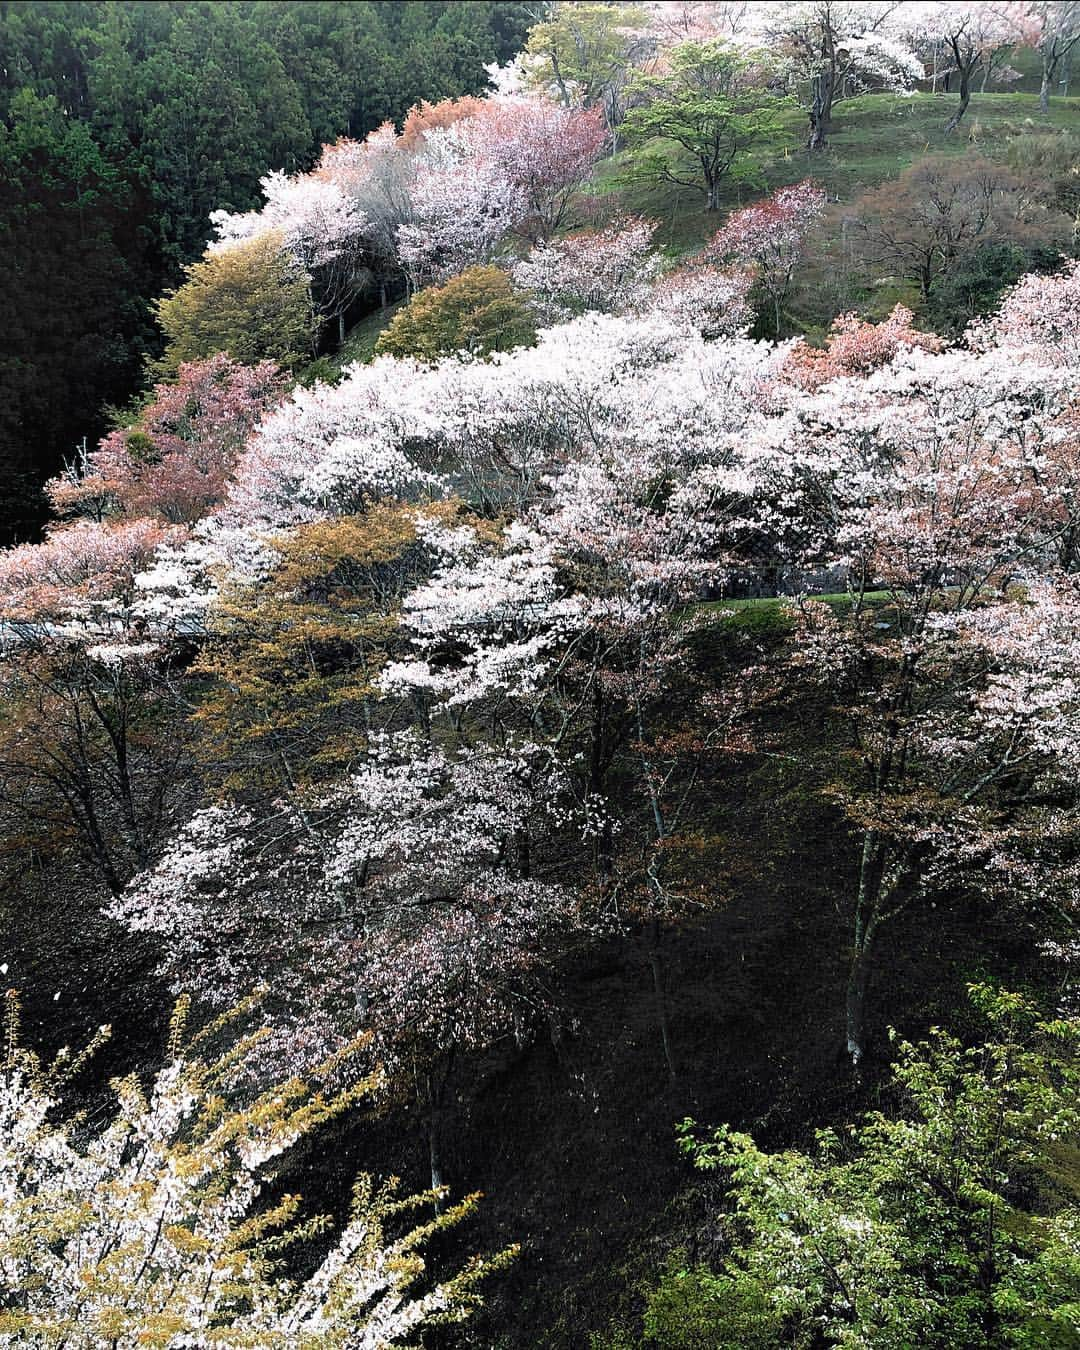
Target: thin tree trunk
656	965
437	1080
1044	89
855	1007
866	906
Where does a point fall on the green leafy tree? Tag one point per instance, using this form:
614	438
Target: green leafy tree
953	1223
478	312
697	121
978	281
588	52
249	300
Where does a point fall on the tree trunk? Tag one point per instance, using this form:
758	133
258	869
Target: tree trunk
855	1006
437	1080
713	200
818	131
656	965
603	843
866	916
1044	89
821	100
435	1153
340	330
965	98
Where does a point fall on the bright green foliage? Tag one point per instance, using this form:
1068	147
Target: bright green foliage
478	311
711	108
586	51
954	1223
249	301
153	1228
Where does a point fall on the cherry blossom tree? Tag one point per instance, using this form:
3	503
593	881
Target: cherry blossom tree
1039	318
320	226
856	347
152	1225
961	481
606	269
769	235
463	206
174	460
515	164
1058	34
975	35
82	575
713	300
832	50
378	175
413	888
330	449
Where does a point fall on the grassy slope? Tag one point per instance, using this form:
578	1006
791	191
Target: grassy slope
362	337
874	138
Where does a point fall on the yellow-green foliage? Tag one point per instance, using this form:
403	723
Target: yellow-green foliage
249	300
152	1231
478	311
292	664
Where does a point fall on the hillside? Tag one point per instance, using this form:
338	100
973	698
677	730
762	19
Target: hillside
538	738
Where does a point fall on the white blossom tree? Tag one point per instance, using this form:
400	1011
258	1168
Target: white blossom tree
164	1225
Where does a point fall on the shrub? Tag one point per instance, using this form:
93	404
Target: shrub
477	312
250	300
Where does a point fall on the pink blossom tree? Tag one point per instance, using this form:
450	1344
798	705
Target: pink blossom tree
770	236
606	269
514	164
856	347
173	462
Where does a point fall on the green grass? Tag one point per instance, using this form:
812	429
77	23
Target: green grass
361	339
839	598
874	138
